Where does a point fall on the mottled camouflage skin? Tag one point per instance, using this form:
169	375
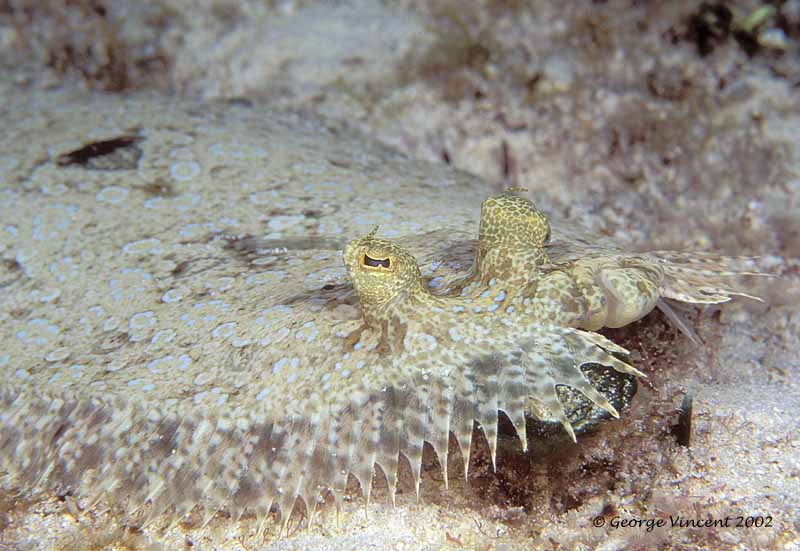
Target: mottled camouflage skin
158	356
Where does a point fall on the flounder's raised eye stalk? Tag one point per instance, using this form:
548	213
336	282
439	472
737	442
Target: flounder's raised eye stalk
602	287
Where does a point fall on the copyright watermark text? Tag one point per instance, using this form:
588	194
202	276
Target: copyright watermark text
678	521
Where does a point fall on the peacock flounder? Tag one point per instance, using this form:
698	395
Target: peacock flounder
418	368
153	363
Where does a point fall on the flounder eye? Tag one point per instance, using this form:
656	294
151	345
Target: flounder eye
376	262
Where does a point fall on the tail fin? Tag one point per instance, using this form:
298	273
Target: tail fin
703	278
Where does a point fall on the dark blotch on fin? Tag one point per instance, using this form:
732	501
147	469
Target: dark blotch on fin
546	436
121	153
